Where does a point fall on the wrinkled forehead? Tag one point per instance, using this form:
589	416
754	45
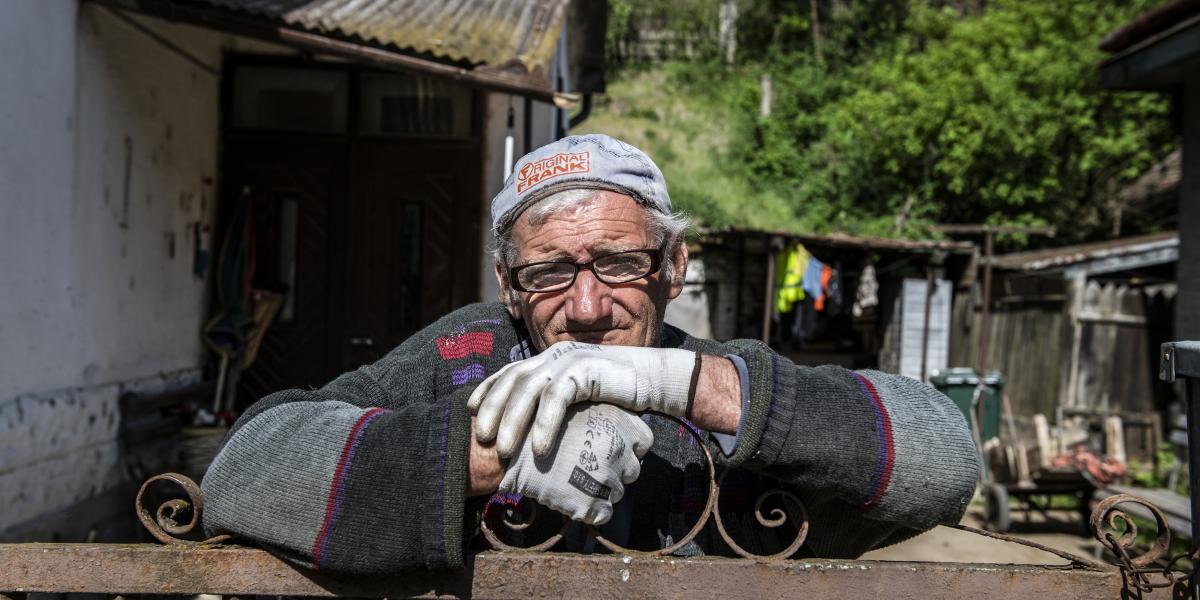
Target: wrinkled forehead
582	223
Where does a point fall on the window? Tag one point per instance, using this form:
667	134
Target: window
295	100
406	105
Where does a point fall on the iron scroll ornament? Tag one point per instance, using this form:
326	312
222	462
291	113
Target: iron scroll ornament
712	510
165	524
1139	573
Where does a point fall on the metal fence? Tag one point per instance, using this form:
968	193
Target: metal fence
219	566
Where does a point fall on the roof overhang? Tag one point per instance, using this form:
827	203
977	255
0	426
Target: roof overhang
1096	259
1159	62
334	28
843	240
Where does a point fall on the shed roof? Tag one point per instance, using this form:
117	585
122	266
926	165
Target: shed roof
497	33
844	240
1156	51
1099	257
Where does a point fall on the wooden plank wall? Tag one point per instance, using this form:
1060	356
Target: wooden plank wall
1117	365
1030	344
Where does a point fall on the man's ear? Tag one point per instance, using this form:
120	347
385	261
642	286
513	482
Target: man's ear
680	260
506	293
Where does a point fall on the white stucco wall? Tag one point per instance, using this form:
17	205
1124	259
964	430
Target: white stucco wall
108	157
495	130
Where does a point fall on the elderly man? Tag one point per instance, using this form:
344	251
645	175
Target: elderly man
386	468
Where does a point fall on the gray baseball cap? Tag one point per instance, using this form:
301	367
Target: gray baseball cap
593	161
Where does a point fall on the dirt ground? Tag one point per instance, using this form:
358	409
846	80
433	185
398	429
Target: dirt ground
1063	531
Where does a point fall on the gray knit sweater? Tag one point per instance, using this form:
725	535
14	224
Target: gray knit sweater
368	474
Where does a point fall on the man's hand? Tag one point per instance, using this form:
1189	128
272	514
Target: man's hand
597	453
637	379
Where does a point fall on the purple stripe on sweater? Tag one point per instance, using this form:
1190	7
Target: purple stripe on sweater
337	493
881	439
471	372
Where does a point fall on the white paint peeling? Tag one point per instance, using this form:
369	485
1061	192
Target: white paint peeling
61	448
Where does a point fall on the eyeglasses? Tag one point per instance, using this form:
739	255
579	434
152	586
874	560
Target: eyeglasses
618	267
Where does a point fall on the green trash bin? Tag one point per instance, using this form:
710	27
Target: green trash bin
959	384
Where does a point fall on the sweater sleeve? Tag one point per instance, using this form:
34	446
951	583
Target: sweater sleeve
367	474
889	449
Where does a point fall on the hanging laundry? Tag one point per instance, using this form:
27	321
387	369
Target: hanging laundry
833	292
789	275
826	275
867	295
812	277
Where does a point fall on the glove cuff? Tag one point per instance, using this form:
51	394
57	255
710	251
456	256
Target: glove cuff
673	386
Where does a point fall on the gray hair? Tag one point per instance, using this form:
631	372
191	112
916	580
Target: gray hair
665	229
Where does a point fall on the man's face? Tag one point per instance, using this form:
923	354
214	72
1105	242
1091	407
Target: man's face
627	314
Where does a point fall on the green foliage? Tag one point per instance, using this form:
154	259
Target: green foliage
687	134
1157	474
913	113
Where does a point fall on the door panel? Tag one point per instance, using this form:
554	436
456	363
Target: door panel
292	187
370	240
412	242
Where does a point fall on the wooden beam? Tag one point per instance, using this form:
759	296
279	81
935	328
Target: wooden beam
1159	62
152	569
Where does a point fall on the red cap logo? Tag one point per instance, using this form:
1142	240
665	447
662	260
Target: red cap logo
555	166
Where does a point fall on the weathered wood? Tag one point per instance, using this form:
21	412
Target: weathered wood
132	569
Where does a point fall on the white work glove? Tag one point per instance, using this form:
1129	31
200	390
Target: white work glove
598	452
638	379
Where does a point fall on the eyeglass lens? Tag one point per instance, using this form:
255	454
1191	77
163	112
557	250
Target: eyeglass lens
614	268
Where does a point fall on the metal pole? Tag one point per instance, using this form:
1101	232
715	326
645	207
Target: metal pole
1193	428
737	296
985	331
1182	360
985	318
925	330
769	296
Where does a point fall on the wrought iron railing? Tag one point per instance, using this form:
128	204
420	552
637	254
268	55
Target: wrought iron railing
185	564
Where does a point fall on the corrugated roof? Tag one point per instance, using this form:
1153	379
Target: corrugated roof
497	33
1051	258
844	240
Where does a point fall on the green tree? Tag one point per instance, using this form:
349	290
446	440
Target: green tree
964	117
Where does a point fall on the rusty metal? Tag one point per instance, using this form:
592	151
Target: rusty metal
164	525
503	546
1139	573
231	570
779	517
704	515
1076	560
711	511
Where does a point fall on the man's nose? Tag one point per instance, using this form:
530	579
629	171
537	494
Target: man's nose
589	299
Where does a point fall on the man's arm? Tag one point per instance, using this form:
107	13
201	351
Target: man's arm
877	457
893	448
485	471
717	406
368	474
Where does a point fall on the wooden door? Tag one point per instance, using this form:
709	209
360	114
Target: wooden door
412	242
295	188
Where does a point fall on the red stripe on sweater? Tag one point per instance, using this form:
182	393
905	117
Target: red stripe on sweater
888	447
460	346
333	503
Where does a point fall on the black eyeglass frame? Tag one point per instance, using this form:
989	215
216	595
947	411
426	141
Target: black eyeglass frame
655	266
